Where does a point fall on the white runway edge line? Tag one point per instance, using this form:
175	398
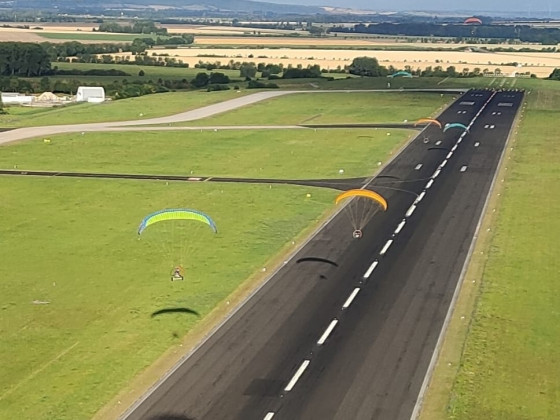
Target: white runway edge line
269	415
327	332
370	269
411	209
400	226
387	245
296	376
351	298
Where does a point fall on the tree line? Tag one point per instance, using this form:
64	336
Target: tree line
525	33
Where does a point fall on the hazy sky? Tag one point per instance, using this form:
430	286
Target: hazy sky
524	6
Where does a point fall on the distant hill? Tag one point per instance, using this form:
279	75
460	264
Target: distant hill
237	6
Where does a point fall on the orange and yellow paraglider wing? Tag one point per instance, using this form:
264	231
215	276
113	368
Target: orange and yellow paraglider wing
428	121
362	193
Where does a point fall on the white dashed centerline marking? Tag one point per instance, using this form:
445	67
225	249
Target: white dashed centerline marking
436	173
400	226
387	245
269	415
443	163
454	148
429	184
417	167
411	210
327	332
449	155
296	376
420	197
370	269
351	298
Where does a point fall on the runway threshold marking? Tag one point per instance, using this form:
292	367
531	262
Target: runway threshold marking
269	415
327	332
297	375
351	298
370	269
387	245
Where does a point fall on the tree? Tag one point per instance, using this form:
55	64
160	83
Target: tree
248	70
367	66
200	80
141	73
555	75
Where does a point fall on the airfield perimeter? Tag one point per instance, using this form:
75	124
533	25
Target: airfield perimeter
396	312
355	341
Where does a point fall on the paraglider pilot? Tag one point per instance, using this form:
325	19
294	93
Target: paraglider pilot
177	273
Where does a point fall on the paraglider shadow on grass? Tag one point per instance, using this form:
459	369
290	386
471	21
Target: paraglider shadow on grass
175	311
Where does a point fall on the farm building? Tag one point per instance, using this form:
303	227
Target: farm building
90	94
16	98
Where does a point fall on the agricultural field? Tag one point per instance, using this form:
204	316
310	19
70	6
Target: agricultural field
501	354
80	289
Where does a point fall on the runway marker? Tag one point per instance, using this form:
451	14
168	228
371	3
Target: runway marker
370	269
438	142
477	144
297	375
454	148
443	163
449	155
269	415
463	168
459	141
410	210
351	298
327	332
417	167
387	245
419	198
400	226
436	173
429	184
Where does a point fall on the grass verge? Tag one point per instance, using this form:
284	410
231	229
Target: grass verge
501	356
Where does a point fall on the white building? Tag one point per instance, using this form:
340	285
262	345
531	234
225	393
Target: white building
90	94
9	98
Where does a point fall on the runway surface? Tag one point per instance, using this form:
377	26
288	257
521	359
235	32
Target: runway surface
353	340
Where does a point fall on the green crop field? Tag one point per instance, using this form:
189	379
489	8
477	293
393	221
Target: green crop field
79	288
509	364
94	36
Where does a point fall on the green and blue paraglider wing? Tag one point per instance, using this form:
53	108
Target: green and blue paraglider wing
176	214
455	125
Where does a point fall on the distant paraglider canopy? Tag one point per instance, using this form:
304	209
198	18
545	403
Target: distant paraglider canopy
472	21
455	125
428	121
363	206
401	73
176	214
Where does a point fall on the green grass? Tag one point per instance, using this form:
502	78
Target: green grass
142	107
150	72
72	242
332	108
94	36
240	153
511	360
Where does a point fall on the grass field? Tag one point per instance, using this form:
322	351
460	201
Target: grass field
509	364
333	108
142	107
73	243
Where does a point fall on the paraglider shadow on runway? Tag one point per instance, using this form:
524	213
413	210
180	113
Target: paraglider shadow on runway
179	310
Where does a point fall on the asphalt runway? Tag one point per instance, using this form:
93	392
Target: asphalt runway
352	339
